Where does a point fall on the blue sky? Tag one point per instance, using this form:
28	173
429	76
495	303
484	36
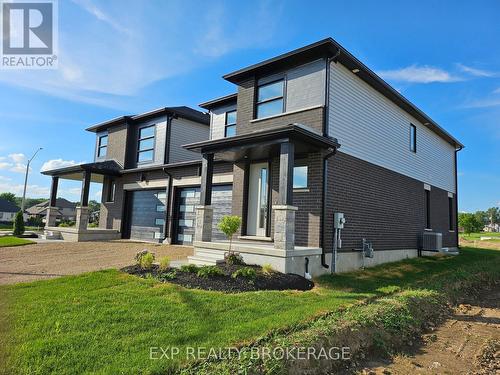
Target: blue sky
123	57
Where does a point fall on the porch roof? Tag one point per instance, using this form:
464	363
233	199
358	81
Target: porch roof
97	169
264	143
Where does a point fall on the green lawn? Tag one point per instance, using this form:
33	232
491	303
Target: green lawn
14	241
105	322
477	236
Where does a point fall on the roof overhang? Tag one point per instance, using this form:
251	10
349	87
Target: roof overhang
97	169
265	143
218	102
329	48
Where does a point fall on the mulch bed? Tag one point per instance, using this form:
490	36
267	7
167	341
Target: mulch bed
273	281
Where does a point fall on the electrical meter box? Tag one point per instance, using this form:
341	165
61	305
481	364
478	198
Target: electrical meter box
338	220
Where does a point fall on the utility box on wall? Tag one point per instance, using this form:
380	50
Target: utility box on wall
338	220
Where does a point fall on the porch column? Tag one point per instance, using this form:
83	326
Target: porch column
50	218
204	212
82	212
284	211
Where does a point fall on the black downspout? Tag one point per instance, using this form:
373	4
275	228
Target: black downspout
323	218
456	196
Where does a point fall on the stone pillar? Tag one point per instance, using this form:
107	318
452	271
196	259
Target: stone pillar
82	218
204	221
50	218
284	227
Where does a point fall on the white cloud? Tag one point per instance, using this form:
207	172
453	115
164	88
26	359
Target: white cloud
5	165
496	91
483	103
3	178
419	74
35	191
18	168
90	7
17	158
57	163
476	72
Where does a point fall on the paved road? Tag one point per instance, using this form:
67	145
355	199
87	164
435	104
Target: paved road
54	259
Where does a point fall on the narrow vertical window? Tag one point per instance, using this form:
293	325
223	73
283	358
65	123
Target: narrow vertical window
102	146
111	191
146	144
450	212
230	130
427	209
413	138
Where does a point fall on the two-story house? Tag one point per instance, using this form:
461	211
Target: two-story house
312	133
310	137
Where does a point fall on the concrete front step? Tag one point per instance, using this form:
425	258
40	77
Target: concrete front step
203	261
51	235
209	253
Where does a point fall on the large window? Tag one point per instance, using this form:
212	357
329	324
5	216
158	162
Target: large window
427	209
102	146
146	145
413	138
111	191
270	99
300	177
230	130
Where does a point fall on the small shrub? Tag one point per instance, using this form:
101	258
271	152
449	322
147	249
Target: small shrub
18	228
145	259
209	271
168	275
267	269
164	263
229	225
233	258
245	272
191	268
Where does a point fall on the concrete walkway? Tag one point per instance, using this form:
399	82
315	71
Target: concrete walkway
51	259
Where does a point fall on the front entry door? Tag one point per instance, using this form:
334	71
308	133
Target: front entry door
258	198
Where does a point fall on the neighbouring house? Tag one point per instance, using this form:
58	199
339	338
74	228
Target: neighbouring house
315	152
64	210
492	228
7	210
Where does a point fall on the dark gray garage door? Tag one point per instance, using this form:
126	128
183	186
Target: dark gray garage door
147	215
188	199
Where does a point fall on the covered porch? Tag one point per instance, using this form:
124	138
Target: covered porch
268	232
86	173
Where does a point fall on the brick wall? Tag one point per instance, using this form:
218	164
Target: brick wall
380	205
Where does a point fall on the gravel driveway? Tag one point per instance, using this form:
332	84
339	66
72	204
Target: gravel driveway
54	259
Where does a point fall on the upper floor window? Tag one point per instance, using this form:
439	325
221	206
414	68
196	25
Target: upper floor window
413	138
102	146
270	99
146	144
230	129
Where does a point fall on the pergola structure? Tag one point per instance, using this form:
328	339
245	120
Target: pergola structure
87	173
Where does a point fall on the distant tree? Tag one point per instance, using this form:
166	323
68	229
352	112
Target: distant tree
482	217
469	222
493	214
11	197
18	228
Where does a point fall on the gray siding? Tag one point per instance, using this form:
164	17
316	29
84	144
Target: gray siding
218	120
305	86
372	128
183	132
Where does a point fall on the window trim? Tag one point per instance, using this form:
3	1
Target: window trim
272	99
413	142
139	139
229	125
99	147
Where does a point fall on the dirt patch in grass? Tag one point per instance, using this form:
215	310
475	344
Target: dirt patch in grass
226	282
